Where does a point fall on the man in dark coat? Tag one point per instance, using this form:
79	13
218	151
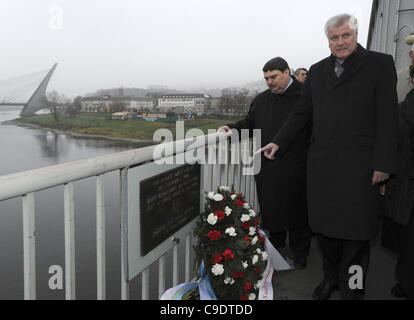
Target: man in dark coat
351	100
281	186
404	208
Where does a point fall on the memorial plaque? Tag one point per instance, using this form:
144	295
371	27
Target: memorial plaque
168	201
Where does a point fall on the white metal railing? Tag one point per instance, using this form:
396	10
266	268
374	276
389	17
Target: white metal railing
215	172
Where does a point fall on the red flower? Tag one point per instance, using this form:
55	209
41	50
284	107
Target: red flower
238	275
247	239
228	254
261	239
214	235
246	225
248	286
258	270
220	214
217	258
256	222
239	203
244	297
240	196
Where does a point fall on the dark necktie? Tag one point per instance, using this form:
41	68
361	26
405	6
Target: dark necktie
338	69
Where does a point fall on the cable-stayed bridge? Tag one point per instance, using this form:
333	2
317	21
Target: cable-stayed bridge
28	91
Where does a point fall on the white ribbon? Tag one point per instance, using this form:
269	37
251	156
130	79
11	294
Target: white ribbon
274	262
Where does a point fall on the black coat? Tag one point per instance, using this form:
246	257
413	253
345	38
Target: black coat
281	185
399	196
355	121
405	265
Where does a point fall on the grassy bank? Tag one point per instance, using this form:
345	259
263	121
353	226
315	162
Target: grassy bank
95	124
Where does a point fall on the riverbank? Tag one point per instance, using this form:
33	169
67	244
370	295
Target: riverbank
94	125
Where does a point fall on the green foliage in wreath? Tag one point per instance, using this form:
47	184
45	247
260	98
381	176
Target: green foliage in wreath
230	245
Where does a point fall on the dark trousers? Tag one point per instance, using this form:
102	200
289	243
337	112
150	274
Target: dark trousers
299	241
338	255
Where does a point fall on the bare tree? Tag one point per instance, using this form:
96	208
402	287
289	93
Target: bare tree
117	106
235	101
56	103
73	109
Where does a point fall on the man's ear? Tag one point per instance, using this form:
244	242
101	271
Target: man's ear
411	54
287	71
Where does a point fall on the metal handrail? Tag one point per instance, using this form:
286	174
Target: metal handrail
18	184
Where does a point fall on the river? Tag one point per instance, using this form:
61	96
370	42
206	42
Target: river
24	149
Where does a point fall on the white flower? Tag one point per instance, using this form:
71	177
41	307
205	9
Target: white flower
252	296
264	255
224	188
227	210
217	269
245	217
218	197
252	231
255	259
258	251
258	284
233	196
245	264
252	213
254	240
229	281
246	205
212	219
211	195
231	232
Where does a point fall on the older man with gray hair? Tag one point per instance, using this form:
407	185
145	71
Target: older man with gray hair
350	99
405	84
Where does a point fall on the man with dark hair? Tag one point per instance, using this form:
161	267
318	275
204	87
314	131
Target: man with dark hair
301	74
351	100
281	183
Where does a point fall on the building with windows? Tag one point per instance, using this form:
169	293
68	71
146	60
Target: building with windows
108	103
183	103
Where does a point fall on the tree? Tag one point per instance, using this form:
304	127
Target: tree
73	109
117	106
56	103
235	101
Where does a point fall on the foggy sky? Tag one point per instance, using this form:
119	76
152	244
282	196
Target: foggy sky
182	44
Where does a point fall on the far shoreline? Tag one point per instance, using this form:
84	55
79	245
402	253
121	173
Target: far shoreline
18	123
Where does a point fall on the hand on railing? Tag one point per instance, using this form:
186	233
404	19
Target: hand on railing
269	150
225	129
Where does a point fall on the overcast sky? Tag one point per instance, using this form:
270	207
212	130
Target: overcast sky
182	44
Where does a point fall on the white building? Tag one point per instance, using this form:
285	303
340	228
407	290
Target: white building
182	103
104	103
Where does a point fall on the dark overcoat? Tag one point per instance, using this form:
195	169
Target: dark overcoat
281	184
399	196
355	123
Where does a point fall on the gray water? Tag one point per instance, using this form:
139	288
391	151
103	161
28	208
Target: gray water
24	149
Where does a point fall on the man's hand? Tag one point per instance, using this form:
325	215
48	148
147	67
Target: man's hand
269	150
379	177
225	129
382	190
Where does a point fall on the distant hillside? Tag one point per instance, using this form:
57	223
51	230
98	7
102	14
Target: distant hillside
133	92
254	88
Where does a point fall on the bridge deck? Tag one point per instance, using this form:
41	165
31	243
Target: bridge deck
299	284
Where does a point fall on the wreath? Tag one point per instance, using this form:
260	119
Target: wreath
230	248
